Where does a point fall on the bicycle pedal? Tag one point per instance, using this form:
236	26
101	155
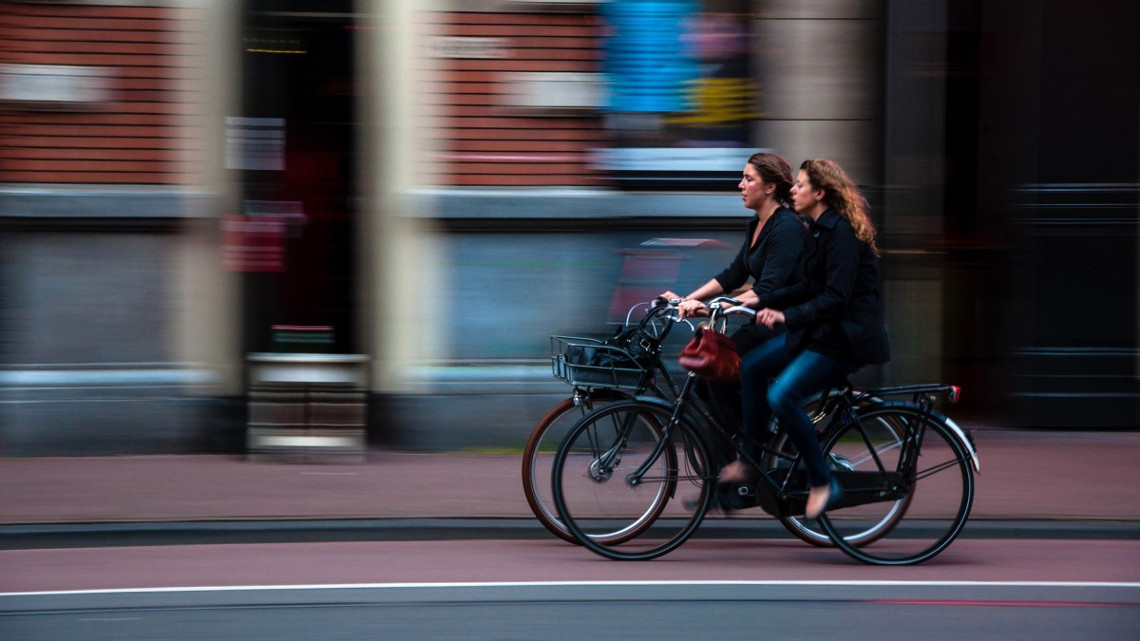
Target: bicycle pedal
736	497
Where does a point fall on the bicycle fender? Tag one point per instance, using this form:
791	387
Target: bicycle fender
960	434
965	440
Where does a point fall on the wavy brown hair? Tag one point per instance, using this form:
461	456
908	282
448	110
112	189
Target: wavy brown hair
774	169
842	195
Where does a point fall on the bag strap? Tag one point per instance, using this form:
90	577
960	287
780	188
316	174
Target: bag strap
717	317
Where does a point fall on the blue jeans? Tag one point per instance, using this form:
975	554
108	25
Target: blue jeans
797	376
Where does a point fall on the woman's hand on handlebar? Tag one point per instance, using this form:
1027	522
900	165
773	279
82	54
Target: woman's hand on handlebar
685	308
769	317
691	308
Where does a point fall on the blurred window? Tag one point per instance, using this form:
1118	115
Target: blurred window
681	91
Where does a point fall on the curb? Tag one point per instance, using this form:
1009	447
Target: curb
76	535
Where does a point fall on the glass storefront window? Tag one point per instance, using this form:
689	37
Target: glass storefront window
681	91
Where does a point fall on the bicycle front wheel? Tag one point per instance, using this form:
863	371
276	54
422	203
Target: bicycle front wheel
613	475
930	468
538	457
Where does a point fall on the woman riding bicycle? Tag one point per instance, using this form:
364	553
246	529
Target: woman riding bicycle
769	256
833	319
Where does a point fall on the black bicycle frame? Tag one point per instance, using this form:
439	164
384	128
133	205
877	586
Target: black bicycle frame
842	398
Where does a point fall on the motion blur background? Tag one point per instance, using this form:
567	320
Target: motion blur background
428	189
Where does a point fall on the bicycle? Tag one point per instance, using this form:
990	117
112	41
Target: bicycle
623	463
615	374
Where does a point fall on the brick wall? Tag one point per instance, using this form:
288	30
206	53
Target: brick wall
138	135
483	140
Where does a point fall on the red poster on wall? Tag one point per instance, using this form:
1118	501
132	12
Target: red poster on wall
254	243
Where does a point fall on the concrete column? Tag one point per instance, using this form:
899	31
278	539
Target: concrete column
862	82
817	63
400	293
208	315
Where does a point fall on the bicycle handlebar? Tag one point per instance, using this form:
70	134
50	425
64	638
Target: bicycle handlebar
723	299
738	309
735	308
661	307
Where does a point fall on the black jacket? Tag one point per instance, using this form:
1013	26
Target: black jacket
836	309
774	261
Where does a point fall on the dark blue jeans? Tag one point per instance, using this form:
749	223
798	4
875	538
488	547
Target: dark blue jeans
797	376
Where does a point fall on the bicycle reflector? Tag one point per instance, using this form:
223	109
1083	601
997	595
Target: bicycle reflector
955	393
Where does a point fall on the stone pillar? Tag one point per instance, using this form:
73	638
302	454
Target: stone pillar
817	64
399	285
208	318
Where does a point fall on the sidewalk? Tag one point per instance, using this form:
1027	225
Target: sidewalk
1025	475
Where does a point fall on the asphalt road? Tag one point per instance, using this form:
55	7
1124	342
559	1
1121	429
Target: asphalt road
547	589
682	611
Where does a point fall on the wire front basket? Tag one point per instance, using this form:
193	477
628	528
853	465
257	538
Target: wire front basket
588	362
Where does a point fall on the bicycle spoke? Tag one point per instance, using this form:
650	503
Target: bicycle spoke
936	500
930	471
874	457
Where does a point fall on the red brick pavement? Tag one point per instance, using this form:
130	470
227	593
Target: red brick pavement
1024	475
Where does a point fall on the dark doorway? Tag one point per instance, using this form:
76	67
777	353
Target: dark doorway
296	161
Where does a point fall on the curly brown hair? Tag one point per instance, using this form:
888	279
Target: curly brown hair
842	195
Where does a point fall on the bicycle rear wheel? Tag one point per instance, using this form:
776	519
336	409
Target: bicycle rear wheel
538	457
935	477
780	459
596	493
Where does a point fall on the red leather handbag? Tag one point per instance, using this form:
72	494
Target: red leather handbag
712	355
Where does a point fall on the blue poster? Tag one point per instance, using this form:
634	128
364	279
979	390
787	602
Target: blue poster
682	95
648	66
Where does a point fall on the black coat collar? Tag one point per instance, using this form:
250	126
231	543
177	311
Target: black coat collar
828	219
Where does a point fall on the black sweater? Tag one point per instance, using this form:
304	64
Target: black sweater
774	261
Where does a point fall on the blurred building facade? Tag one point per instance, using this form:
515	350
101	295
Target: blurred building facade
439	186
